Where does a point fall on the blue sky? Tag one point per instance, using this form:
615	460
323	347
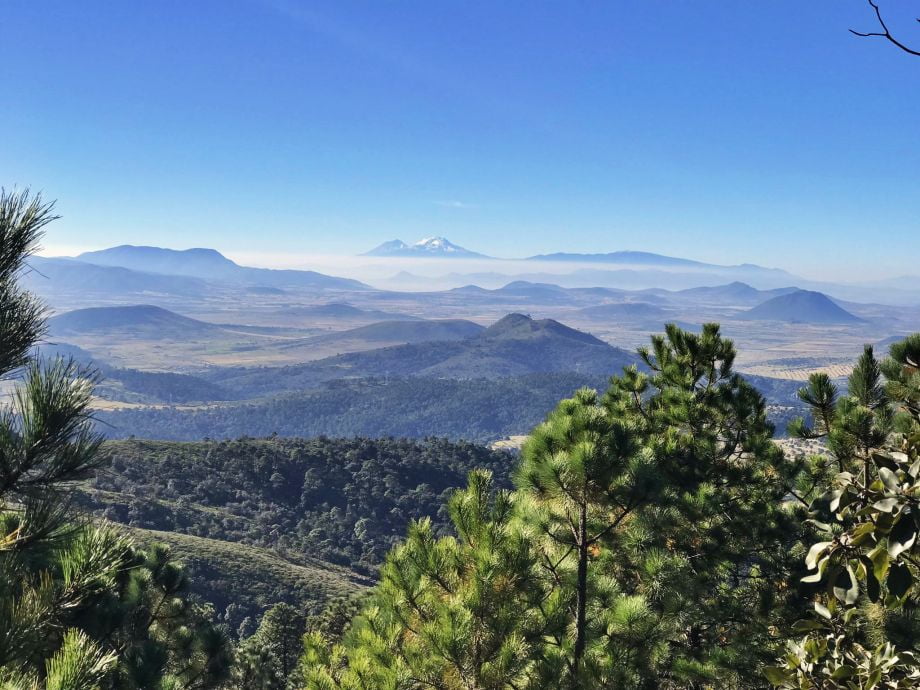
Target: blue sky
723	131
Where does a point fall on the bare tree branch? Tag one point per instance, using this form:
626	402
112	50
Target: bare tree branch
886	34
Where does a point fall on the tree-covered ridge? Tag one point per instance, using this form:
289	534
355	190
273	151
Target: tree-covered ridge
478	410
241	582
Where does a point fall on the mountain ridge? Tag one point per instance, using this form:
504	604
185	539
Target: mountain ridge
641	258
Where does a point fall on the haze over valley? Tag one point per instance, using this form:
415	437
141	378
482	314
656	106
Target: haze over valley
194	344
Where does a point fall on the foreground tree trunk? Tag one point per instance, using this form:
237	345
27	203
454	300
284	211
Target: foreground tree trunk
581	593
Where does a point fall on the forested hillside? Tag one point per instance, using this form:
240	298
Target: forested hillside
341	501
479	410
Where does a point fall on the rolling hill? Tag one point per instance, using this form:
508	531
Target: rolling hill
535	293
801	306
253	578
522	328
736	293
343	310
211	265
631	311
140	321
525	292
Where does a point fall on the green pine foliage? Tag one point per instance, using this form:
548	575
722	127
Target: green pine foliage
581	478
256	668
712	551
81	606
280	633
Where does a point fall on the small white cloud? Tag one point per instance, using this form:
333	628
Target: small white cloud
454	204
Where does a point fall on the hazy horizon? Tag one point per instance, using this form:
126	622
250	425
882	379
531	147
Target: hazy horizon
379	270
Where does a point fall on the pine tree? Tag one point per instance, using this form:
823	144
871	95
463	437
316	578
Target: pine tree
256	668
721	519
664	525
583	476
452	613
81	606
280	633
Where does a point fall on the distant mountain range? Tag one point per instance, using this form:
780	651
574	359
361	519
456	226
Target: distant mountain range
442	247
801	306
69	276
622	257
649	259
430	247
133	274
211	265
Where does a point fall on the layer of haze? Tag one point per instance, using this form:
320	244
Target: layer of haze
277	130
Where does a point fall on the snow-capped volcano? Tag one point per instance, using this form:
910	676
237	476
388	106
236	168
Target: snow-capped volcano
439	247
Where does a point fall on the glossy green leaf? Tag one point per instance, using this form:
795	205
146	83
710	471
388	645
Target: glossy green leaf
811	560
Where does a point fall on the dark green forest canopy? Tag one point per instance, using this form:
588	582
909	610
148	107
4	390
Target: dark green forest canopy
344	501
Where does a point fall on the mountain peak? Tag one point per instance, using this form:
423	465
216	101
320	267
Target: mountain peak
138	250
428	246
517	326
